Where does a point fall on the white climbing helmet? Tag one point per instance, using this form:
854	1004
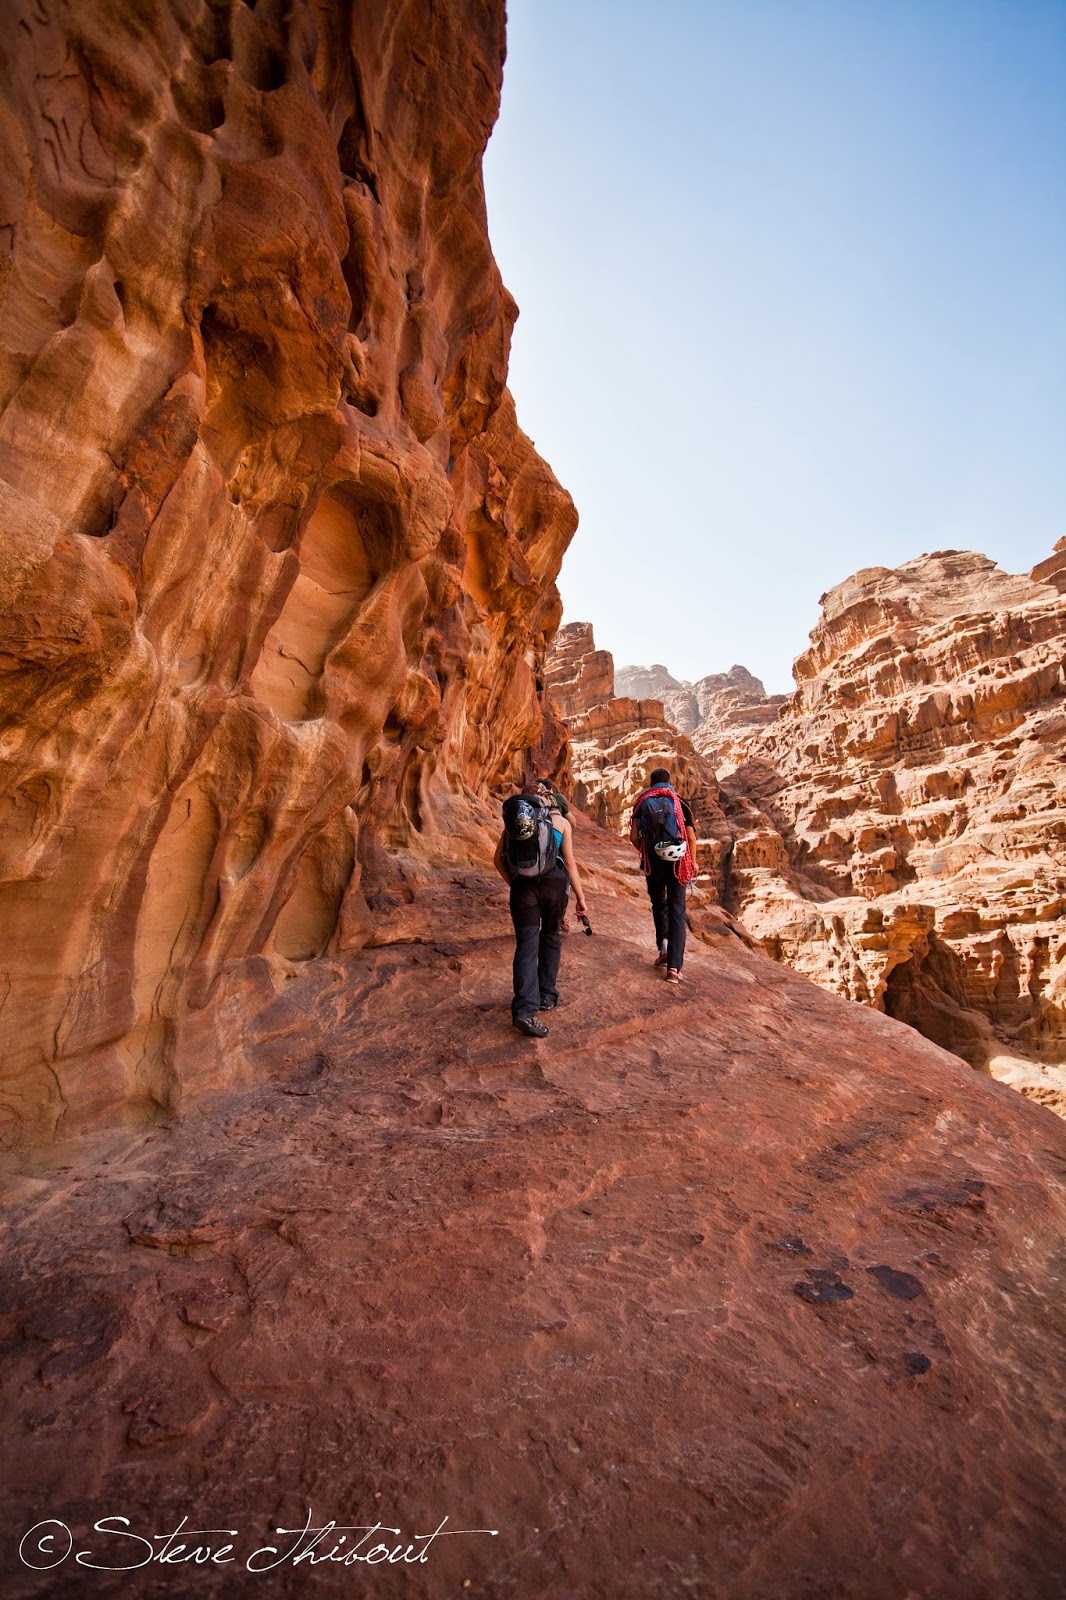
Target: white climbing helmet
668	851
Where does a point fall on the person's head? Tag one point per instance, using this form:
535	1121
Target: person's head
546	788
660	775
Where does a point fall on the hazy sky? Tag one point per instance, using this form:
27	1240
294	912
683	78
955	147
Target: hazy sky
793	287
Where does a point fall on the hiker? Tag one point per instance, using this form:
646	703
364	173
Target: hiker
662	830
535	855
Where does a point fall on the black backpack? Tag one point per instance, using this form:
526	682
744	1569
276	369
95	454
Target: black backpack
658	822
529	838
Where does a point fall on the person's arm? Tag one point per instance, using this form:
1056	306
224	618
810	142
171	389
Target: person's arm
499	861
634	830
571	866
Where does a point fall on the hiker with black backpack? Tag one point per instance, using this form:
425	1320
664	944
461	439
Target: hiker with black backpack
663	831
535	856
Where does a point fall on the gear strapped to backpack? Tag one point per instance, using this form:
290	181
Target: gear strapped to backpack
659	829
530	848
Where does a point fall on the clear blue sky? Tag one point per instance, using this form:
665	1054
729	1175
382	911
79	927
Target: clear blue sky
792	278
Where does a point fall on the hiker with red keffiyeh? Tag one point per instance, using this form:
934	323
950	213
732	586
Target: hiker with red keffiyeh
663	831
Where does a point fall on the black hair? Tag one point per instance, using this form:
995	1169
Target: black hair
660	775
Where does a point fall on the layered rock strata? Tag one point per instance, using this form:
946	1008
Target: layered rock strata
896	830
278	562
579	676
901	826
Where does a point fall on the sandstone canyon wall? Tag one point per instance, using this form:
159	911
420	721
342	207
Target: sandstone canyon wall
278	564
897	828
731	1289
901	826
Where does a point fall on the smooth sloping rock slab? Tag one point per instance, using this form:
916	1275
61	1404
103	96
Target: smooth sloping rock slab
427	1268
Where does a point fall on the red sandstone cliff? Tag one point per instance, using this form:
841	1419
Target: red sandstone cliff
735	1290
278	563
916	783
898	826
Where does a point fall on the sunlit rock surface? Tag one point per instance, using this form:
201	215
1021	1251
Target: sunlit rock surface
899	824
733	1289
917	783
278	563
580	676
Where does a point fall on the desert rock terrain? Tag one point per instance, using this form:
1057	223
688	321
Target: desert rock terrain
898	825
736	1290
918	781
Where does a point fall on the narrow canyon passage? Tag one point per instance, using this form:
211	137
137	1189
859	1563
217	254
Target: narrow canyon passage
739	1290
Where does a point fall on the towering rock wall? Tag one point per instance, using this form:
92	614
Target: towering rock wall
278	564
896	830
579	675
901	826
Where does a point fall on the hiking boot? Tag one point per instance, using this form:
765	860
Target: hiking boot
549	1005
672	975
660	959
532	1027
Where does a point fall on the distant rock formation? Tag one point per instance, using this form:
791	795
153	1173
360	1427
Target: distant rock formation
717	711
278	563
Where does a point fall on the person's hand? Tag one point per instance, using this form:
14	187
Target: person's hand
582	908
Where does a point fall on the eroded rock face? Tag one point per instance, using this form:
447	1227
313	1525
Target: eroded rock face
731	706
902	824
579	675
896	830
278	563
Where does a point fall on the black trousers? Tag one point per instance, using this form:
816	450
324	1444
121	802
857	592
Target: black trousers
537	906
667	898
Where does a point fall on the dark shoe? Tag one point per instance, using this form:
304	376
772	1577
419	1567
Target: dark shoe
549	1005
660	959
532	1027
672	975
